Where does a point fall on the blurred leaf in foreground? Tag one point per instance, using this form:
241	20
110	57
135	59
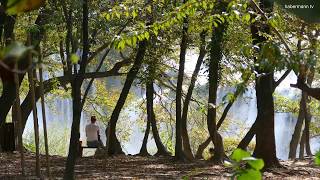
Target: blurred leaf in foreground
20	6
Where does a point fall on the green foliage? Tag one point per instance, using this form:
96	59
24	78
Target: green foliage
74	58
317	158
285	104
245	166
21	6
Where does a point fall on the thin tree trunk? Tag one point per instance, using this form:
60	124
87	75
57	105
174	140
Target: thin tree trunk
44	118
297	130
238	91
184	130
113	143
162	151
179	154
76	96
302	145
20	132
35	114
248	137
307	132
144	150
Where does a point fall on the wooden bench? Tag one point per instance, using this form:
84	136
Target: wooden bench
83	147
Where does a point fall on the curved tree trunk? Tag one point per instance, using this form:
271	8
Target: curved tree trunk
184	130
7	77
238	91
8	96
143	149
248	137
162	151
113	143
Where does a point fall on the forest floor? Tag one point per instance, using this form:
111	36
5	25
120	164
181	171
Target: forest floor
135	167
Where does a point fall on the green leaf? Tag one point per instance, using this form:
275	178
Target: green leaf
122	44
317	159
108	17
134	14
250	174
246	18
256	164
149	9
147	35
239	154
74	58
20	6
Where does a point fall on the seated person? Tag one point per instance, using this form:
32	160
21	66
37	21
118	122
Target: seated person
92	133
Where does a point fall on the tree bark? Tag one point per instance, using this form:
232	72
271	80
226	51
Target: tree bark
302	145
184	130
265	139
8	96
179	154
238	91
113	143
76	96
143	149
248	137
298	127
75	130
162	151
214	75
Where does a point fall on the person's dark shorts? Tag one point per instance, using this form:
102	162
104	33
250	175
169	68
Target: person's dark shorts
94	144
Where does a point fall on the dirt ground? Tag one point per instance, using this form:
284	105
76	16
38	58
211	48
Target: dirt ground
135	167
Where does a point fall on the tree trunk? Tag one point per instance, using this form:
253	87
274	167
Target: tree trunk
35	117
297	130
214	75
202	147
20	132
44	117
76	97
8	96
179	154
307	132
8	93
248	137
265	139
75	132
144	150
162	151
302	145
114	145
184	130
238	91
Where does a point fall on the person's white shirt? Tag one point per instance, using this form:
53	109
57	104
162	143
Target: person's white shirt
92	132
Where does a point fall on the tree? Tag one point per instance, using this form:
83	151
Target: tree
265	140
214	76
